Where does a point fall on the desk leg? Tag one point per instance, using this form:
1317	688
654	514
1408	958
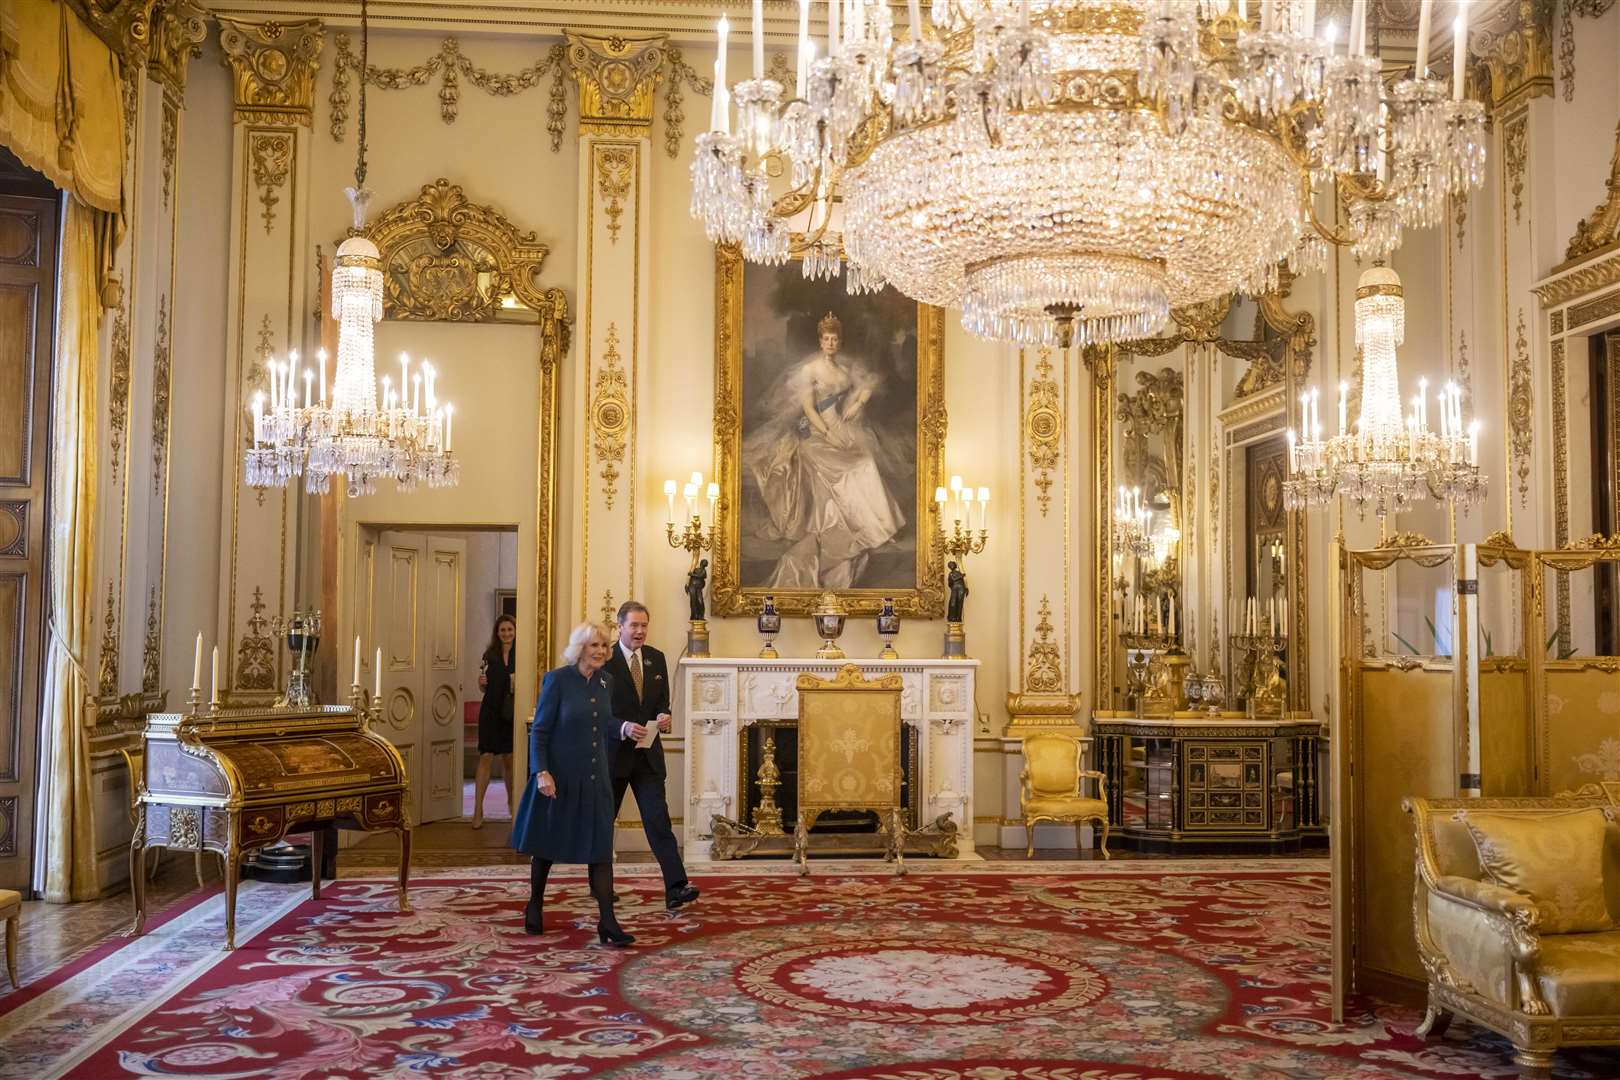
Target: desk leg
317	837
404	870
137	878
233	867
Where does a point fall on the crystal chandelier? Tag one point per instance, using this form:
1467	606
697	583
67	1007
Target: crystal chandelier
1131	520
299	431
1069	170
1388	459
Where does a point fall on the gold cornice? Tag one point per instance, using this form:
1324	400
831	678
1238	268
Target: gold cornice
125	25
617	76
1517	59
273	66
178	30
1571	281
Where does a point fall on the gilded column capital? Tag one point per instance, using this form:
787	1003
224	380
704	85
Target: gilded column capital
178	30
617	75
273	65
125	25
1516	52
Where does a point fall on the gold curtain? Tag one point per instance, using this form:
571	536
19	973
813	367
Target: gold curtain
70	862
61	109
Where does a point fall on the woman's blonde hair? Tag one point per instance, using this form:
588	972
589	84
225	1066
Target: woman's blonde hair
581	636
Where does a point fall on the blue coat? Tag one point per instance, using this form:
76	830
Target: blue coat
573	731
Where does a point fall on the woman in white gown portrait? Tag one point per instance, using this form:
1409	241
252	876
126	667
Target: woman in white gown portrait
814	463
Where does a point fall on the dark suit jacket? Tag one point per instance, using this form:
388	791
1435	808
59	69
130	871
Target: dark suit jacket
645	710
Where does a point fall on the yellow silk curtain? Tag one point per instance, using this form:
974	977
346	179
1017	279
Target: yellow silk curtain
61	109
70	863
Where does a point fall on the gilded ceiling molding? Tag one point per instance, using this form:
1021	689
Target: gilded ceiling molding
1520	411
273	67
610	414
178	30
1590	9
446	259
451	65
1043	428
1600	229
617	76
1514	46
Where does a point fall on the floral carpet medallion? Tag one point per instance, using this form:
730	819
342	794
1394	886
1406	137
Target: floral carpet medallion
1151	972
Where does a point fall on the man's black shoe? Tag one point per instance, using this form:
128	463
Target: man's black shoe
680	894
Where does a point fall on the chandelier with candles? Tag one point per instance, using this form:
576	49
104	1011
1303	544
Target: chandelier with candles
1387	459
1068	171
298	431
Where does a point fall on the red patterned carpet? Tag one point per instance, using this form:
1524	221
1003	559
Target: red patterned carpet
1006	972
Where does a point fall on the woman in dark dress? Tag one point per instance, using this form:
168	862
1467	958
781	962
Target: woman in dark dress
566	814
495	714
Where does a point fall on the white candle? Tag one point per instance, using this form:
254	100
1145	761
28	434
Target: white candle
669	493
292	380
805	47
914	19
759	39
309	388
196	665
1266	9
376	676
940	497
1307	29
258	424
320	357
357	659
1425	10
416	394
717	103
834	35
1358	28
1459	31
213	679
1243	10
1473	443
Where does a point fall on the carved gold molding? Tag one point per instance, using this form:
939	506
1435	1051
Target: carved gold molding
614	166
107	668
255	666
178	30
1591	9
151	647
160	397
1516	53
610	414
1514	151
1592	310
1520	411
170	139
1044	674
447	259
617	76
270	154
1600	230
451	65
1560	411
680	74
1043	428
273	67
118	391
125	25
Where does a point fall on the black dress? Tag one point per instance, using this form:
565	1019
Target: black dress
495	711
573	728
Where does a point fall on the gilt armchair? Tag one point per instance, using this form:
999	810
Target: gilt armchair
1052	787
1538	963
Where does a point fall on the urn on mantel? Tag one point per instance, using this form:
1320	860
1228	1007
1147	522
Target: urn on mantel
888	628
829	615
769	624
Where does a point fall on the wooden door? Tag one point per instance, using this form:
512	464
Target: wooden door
441	611
28	229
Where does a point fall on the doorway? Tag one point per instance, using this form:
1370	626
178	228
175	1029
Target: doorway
428	599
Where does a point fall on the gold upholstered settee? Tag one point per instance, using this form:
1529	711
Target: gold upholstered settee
1539	962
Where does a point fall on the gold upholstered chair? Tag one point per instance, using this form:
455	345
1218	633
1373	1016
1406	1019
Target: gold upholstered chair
1517	915
1052	787
10	914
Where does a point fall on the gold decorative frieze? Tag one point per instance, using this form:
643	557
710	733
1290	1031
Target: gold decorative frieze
680	74
151	646
1514	139
1560	411
271	155
614	166
1591	9
170	142
107	668
1459	216
160	397
1044	674
448	259
1601	228
178	30
610	608
256	652
450	65
610	415
1405	540
1043	428
273	67
118	391
1515	49
1519	411
1555	323
617	76
1593	310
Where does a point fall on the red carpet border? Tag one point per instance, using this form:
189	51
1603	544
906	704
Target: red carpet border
1014	972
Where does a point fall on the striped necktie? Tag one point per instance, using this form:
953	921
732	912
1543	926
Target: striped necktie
635	672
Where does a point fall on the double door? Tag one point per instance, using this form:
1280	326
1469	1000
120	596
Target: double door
412	604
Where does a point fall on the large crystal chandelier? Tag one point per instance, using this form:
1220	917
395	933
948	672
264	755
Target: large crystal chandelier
299	431
1069	170
1387	459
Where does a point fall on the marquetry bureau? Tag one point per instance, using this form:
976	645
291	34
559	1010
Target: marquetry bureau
233	781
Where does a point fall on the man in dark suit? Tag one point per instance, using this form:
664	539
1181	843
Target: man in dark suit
641	698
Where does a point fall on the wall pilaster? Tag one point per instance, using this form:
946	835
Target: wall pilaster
273	69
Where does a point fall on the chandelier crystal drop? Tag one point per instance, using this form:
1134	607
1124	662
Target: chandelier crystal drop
1067	171
298	431
1390	457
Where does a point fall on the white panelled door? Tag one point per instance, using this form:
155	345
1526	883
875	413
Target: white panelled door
441	606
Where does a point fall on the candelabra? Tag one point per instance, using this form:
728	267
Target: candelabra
959	503
695	538
1131	520
1266	688
768	816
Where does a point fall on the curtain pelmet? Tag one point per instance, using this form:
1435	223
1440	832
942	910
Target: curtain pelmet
70	855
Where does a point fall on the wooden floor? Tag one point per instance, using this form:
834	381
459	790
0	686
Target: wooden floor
54	934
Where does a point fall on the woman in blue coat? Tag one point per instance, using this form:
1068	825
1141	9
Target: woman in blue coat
567	810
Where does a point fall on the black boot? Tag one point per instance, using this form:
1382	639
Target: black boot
534	911
608	930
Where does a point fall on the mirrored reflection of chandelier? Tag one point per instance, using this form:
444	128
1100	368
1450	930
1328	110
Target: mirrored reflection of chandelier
1131	520
1389	459
298	431
1068	170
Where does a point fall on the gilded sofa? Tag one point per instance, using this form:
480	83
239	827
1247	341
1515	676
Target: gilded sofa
1485	949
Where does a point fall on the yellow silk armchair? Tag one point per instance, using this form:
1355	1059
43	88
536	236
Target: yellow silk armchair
1052	786
1502	959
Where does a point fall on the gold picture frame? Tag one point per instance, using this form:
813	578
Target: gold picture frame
924	596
